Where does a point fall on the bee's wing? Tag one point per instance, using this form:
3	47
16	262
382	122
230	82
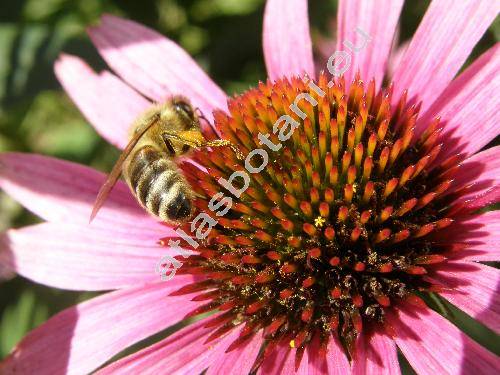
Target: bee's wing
117	169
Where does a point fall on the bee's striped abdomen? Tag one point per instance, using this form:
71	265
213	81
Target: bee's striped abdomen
159	185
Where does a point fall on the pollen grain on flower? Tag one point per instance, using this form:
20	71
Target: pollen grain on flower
335	229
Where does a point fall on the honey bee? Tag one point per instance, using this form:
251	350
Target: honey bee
158	136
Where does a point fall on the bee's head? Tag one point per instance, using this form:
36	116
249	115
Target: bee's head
179	126
185	111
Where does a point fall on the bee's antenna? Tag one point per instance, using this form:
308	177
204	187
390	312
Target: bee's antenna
201	115
213	143
220	142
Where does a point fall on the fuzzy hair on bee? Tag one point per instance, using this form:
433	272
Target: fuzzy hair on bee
160	135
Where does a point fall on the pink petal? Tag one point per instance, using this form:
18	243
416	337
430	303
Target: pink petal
336	359
486	198
108	104
64	192
475	290
155	65
481	171
480	234
81	338
277	362
282	360
359	20
469	107
444	39
433	345
184	352
286	39
240	360
375	354
395	59
74	257
325	45
307	365
472	202
316	362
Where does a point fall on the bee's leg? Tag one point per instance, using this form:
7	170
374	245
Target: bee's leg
224	143
190	141
196	140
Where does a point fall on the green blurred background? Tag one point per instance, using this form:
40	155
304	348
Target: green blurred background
36	116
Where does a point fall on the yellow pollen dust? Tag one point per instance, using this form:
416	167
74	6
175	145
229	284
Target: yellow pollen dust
319	222
292	344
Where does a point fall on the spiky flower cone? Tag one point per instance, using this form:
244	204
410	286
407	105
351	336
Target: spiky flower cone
335	229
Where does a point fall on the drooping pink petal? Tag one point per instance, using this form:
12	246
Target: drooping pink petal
283	360
83	337
395	59
77	257
155	65
286	39
478	237
280	360
469	107
106	102
443	41
63	192
240	360
476	183
375	354
306	365
316	360
325	45
365	31
480	172
184	352
337	362
473	202
433	345
476	290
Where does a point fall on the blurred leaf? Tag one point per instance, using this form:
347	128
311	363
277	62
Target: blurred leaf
252	74
172	16
19	318
54	126
193	39
203	9
36	10
495	28
406	368
65	29
8	210
236	7
29	41
7	37
5	143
